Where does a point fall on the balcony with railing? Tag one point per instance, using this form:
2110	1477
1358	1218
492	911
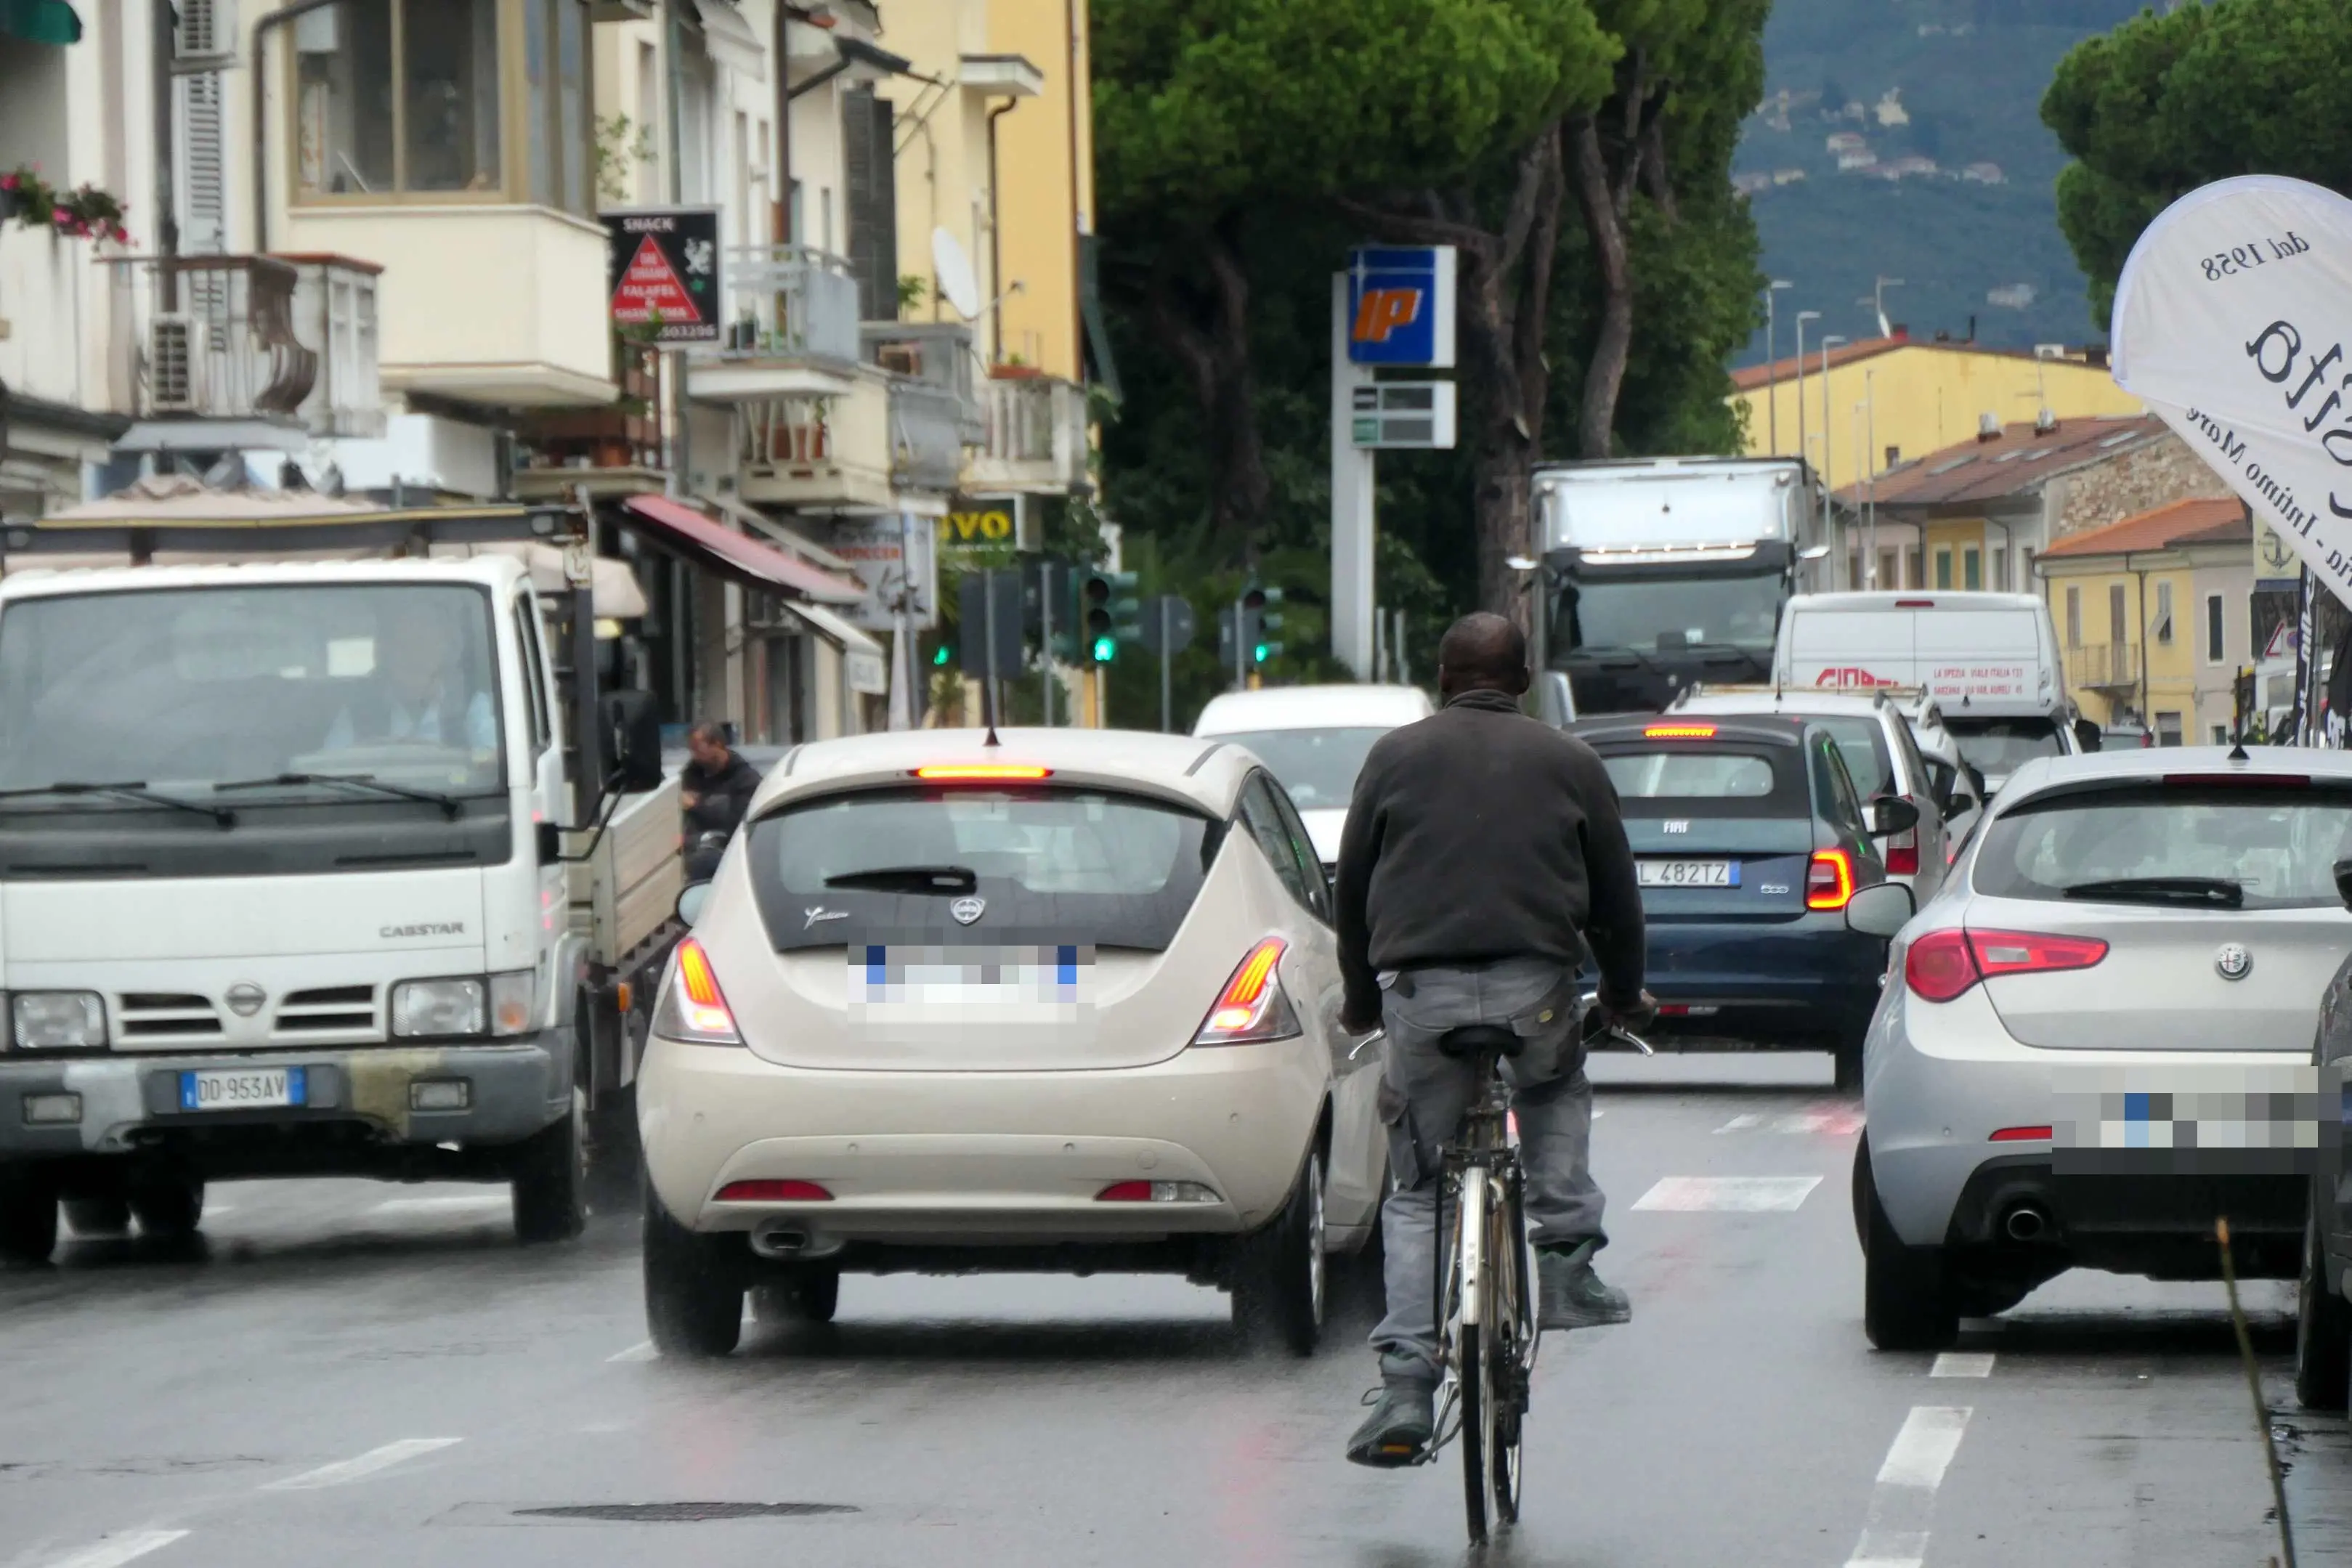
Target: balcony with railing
2104	667
934	412
792	330
287	341
819	450
616	450
1034	436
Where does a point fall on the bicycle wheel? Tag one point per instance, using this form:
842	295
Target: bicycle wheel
1509	1333
1474	1270
1476	1404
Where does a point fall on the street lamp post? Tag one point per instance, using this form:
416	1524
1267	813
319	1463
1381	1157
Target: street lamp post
1802	317
1829	494
1877	303
1870	450
1772	366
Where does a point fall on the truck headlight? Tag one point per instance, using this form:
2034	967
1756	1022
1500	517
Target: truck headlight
59	1021
438	1008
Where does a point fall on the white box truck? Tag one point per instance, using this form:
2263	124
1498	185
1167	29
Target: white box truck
1989	661
1659	574
300	871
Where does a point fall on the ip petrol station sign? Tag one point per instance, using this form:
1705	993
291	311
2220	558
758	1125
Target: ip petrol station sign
1400	306
661	263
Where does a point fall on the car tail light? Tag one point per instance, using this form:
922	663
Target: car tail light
1829	880
1903	851
1156	1192
692	1007
980	773
1914	604
1252	1007
772	1191
1679	732
1941	965
2021	1135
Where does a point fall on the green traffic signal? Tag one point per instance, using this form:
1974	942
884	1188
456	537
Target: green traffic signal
943	656
1106	648
1257	654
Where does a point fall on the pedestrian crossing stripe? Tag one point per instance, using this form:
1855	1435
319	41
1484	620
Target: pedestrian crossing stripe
1727	1195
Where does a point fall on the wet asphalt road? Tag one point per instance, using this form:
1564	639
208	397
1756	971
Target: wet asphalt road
352	1374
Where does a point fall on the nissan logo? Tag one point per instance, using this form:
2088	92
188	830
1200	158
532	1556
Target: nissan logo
245	998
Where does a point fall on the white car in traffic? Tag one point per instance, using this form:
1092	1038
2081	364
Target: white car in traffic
1315	738
1066	1002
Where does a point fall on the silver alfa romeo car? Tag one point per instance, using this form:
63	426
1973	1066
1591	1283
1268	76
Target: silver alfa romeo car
2098	1039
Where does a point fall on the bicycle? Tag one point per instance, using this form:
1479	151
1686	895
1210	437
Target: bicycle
1487	1333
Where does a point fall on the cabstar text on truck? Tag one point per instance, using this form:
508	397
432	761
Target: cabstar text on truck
284	880
1661	573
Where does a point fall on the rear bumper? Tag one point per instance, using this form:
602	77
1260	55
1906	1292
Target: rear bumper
1808	981
357	1120
995	1158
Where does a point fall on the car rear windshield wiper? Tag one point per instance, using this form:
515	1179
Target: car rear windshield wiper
134	790
2217	892
908	879
451	807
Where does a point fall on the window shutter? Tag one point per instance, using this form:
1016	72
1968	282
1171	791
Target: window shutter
200	181
866	146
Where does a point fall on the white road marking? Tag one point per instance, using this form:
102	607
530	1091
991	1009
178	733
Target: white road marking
1962	1364
1896	1534
444	1204
116	1550
1729	1195
1741	1123
366	1464
1924	1448
1837	1123
641	1350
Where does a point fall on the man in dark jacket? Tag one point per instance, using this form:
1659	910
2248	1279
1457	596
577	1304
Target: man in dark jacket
1484	861
715	790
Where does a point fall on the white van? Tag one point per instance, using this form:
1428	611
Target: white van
1314	739
1989	661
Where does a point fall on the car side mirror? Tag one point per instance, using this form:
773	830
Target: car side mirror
1891	814
690	900
631	740
1960	805
2344	882
2087	735
1880	910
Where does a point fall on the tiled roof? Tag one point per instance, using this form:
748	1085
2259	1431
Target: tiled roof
2019	460
1754	377
2180	523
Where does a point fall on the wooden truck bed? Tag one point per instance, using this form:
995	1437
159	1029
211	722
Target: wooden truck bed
625	893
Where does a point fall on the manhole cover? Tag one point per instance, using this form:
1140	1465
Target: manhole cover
683	1512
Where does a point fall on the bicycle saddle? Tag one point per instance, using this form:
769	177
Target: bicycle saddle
1480	1039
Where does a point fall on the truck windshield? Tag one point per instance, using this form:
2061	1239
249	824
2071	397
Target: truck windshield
1655	613
184	688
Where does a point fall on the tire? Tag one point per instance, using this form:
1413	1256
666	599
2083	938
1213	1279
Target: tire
808	1294
1906	1301
2323	1322
1280	1283
97	1216
1508	1333
694	1286
1474	1480
168	1208
28	1215
550	1180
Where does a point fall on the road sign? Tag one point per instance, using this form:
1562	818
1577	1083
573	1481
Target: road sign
989	635
1167	624
1408	415
1400	306
661	265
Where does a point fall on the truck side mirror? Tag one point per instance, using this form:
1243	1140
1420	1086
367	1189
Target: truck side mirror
632	741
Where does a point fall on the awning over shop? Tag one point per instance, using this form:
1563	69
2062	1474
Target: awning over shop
677	527
40	21
793	543
865	662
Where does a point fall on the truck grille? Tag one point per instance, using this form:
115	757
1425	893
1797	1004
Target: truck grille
334	1009
163	1015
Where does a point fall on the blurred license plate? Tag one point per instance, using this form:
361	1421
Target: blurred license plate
1687	873
969	976
242	1089
2193	1116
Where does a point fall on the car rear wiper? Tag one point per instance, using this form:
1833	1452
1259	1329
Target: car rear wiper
132	789
908	879
451	807
2215	891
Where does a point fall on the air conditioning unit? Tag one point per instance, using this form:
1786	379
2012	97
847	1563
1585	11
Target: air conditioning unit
176	364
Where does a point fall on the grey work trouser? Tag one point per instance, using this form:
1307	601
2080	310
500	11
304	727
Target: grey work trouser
1422	1098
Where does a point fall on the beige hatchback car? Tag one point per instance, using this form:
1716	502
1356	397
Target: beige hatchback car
1064	1003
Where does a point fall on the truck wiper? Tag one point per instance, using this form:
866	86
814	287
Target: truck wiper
908	879
134	790
2215	891
451	807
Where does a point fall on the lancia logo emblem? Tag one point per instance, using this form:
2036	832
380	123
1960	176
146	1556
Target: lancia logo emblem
2233	961
245	998
968	909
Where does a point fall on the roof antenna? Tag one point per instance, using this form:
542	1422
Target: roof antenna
2238	750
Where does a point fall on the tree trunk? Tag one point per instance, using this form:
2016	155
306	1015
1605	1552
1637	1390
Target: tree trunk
1209	337
1604	373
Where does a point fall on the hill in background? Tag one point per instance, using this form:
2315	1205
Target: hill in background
1903	138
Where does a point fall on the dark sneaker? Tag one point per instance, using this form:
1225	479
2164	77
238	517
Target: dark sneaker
1570	1295
1398	1427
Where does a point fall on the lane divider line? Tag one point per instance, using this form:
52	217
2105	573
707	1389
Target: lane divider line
116	1550
641	1350
1729	1195
1962	1364
1923	1450
449	1205
366	1464
1903	1505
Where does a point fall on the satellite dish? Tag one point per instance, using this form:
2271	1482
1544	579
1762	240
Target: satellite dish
953	269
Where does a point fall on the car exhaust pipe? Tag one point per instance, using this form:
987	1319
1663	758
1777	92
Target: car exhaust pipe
790	1242
2027	1222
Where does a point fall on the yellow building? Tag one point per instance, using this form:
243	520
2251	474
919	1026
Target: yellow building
1889	400
2153	613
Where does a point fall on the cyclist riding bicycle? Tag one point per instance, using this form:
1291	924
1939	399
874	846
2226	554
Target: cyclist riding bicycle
1484	851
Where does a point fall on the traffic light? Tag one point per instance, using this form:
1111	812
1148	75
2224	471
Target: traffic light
941	659
1107	612
1261	615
